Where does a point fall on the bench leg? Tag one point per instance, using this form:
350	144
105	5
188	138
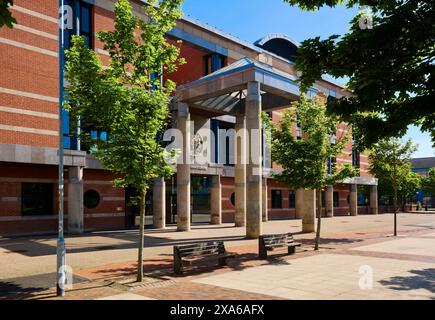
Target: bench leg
262	251
178	264
291	250
222	262
178	267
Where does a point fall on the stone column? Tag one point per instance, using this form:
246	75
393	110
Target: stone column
299	205
254	168
309	211
353	200
329	201
240	172
374	199
183	170
75	200
264	204
159	203
216	200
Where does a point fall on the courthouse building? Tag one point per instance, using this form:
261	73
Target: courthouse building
224	85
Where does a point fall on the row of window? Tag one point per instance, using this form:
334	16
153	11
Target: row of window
38	199
277	199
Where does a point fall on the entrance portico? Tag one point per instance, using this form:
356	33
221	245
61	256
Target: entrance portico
241	91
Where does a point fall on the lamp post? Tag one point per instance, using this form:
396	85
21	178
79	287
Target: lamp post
61	252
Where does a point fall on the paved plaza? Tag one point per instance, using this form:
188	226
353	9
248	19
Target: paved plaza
359	259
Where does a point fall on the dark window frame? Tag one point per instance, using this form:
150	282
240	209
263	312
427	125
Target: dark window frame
292	199
276	199
42	198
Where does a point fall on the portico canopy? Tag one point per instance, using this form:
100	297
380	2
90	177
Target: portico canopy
224	91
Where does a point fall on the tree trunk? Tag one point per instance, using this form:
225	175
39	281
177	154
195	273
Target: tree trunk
143	194
395	210
319	219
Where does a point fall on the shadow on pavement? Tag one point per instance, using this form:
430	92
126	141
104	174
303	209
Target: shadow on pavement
13	291
419	279
29	286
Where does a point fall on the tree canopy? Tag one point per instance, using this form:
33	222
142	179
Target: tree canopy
304	161
391	164
390	67
6	18
428	183
127	98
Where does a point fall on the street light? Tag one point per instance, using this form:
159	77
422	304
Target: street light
61	254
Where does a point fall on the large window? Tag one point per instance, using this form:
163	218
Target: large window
214	62
82	25
36	199
276	199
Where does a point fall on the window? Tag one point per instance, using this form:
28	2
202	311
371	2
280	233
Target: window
233	198
86	23
214	62
36	199
355	154
336	200
291	200
356	158
332	95
332	163
91	199
298	129
276	199
362	199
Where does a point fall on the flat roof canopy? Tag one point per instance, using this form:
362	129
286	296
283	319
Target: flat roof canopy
224	91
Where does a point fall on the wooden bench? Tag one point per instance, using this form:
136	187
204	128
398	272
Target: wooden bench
186	255
273	242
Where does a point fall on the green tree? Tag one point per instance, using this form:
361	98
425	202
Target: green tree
304	162
390	67
6	18
428	182
127	98
391	163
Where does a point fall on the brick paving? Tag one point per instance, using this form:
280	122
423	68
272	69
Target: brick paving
346	241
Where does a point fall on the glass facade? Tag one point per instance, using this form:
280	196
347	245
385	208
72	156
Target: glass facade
82	26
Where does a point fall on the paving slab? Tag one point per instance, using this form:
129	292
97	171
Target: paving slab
411	246
334	276
126	296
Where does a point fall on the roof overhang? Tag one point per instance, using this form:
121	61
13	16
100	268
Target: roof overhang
224	91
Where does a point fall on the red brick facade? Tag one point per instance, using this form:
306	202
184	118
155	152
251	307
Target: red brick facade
29	109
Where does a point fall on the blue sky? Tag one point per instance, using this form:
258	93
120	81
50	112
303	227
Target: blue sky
250	20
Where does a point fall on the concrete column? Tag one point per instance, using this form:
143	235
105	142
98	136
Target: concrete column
240	172
183	170
353	200
374	199
329	201
75	200
299	199
254	172
216	200
264	204
159	203
309	211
